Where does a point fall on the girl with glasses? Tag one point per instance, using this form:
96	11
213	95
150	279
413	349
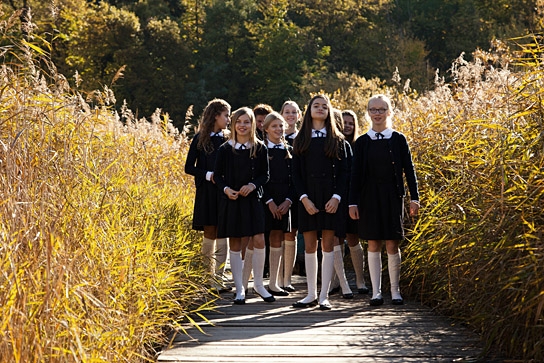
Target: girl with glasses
381	163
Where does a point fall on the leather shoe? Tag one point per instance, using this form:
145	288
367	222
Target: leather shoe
363	290
289	288
239	301
267	299
376	302
277	293
397	302
325	306
348	295
301	305
334	290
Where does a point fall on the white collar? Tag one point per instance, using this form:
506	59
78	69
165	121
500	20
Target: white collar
385	134
291	135
237	145
220	133
323	132
271	145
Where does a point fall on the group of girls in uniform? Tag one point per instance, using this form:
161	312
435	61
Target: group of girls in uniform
322	181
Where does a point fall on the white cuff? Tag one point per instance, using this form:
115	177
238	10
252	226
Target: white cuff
269	200
336	196
303	196
209	175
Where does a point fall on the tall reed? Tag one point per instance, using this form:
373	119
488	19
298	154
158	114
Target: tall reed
97	258
477	250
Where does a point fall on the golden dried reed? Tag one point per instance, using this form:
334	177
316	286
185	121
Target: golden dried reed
97	258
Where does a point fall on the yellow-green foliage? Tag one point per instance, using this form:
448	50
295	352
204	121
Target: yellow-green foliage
97	257
476	251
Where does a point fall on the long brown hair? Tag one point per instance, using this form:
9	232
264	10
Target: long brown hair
334	137
207	123
351	138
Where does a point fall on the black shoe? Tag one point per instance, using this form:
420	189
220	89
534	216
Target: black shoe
348	296
239	301
325	306
267	299
363	290
277	293
289	288
334	290
397	302
376	302
302	305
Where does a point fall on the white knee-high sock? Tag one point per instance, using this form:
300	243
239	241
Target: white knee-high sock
248	266
279	280
275	263
221	251
327	270
358	260
310	260
259	255
236	268
208	249
340	272
289	256
393	265
375	269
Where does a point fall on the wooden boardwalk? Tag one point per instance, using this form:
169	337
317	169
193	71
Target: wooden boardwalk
351	332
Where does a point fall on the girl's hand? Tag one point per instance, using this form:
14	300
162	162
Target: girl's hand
246	189
332	205
414	208
354	212
309	206
274	210
231	194
283	208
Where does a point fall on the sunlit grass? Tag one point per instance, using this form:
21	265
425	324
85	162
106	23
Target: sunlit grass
97	259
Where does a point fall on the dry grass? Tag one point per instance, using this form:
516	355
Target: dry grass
97	256
476	252
477	249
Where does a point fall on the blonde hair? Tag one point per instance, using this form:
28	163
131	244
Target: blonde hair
389	112
253	140
271	117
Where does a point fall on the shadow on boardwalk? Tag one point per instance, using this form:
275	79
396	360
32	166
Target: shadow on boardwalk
351	332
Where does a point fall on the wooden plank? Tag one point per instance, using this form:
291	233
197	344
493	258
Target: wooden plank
351	332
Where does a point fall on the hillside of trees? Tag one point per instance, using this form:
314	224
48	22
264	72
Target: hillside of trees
174	54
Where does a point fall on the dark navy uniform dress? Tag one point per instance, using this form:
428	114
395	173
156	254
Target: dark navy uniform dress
294	207
377	185
235	168
319	177
279	187
198	163
346	224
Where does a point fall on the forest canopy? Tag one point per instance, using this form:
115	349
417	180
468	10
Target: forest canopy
174	54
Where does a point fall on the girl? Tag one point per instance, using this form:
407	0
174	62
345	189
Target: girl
241	169
200	163
380	159
351	133
319	174
278	195
339	280
292	115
